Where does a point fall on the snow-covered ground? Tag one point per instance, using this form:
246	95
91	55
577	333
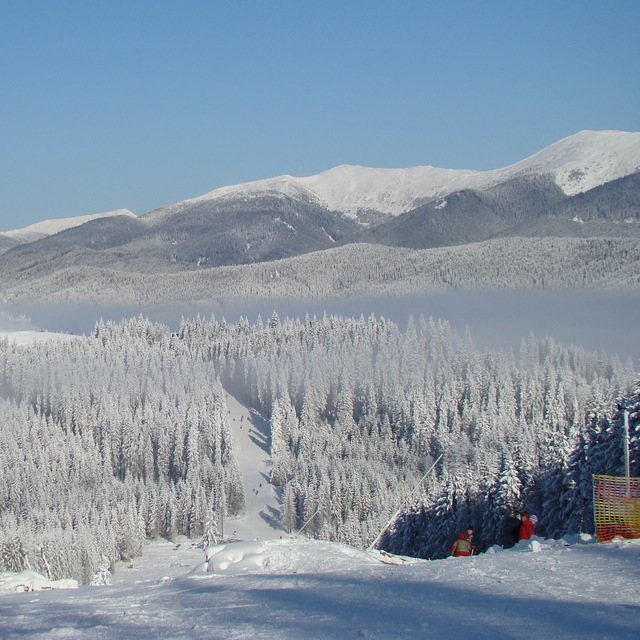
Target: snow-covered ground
262	512
307	589
29	337
261	583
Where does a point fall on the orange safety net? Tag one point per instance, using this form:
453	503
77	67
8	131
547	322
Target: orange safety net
616	504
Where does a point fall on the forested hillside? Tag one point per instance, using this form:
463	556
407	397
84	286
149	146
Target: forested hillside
354	270
123	435
106	441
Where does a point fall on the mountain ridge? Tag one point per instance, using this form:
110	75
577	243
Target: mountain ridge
578	163
353	190
281	218
55	225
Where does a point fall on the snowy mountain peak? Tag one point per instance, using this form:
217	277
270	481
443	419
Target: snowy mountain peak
49	227
353	189
587	159
285	184
577	163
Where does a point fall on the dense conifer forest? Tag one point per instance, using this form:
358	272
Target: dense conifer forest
546	263
122	436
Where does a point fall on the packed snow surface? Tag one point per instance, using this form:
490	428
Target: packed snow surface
577	163
261	517
295	589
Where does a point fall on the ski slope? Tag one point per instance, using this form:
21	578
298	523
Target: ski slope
262	500
301	589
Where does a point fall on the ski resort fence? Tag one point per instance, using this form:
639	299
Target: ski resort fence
616	505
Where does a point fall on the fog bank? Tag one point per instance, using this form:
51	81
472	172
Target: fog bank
597	320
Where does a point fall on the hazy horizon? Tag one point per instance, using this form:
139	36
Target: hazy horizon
596	320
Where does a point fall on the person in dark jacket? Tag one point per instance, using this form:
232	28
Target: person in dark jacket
527	528
512	530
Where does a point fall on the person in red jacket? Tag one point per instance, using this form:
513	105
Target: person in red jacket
527	528
463	545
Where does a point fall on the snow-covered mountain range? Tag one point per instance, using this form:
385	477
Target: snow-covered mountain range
583	187
577	163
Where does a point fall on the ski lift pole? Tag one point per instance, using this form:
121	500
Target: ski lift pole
625	445
395	515
309	520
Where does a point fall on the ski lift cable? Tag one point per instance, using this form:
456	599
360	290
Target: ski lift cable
397	513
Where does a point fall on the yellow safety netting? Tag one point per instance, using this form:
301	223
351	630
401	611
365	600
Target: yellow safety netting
616	504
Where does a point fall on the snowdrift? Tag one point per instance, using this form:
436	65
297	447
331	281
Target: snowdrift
31	581
317	556
287	556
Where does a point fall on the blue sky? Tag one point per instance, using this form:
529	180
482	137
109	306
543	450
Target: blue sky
139	104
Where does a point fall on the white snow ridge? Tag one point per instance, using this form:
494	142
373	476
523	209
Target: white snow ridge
49	227
577	163
587	159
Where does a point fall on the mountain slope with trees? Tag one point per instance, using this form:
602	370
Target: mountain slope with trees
123	435
353	270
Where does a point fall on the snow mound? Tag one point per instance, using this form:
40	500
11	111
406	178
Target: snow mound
31	581
532	545
290	556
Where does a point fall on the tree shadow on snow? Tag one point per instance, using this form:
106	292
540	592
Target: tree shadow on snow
259	432
369	603
272	518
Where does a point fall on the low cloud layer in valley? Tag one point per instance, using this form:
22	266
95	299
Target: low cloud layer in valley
597	320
